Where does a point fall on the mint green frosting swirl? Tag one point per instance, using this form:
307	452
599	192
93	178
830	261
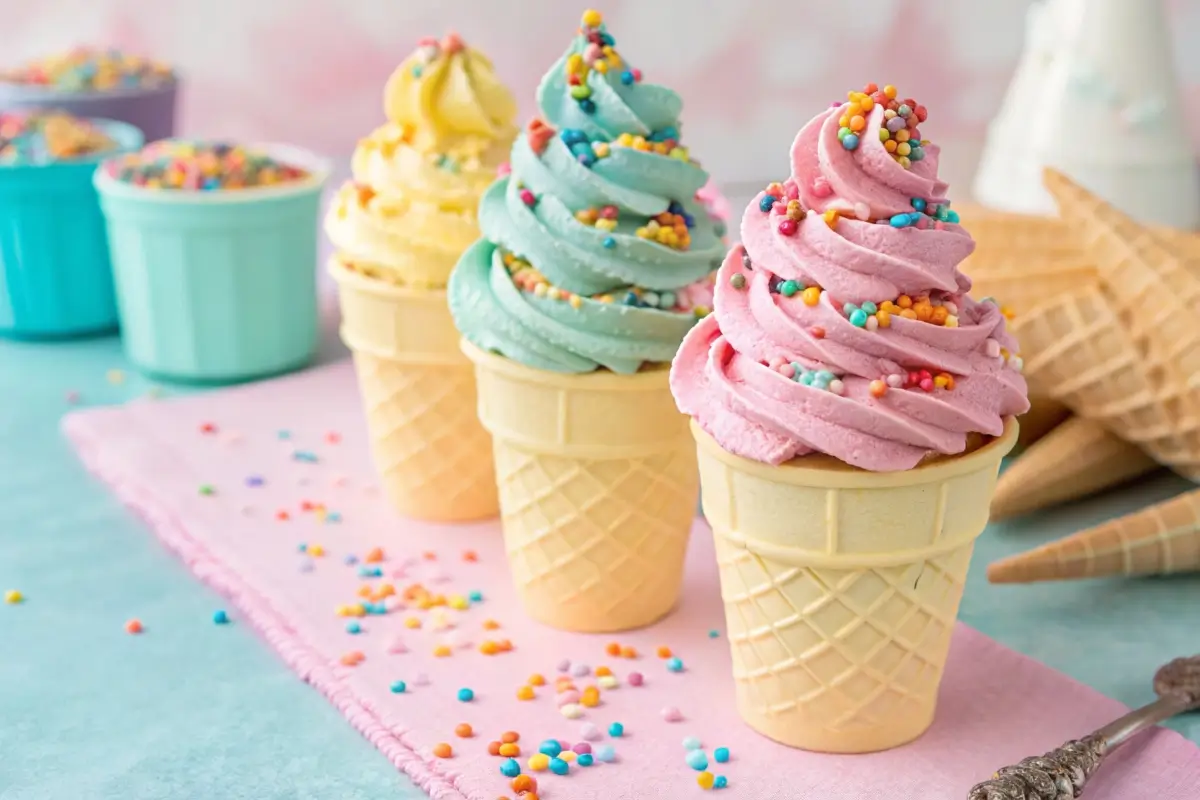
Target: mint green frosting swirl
495	314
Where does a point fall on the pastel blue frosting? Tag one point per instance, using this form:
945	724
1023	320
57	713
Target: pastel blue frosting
551	334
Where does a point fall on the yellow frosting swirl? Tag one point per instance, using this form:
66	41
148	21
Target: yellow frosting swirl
409	212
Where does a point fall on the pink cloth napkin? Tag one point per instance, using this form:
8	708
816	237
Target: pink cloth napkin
276	446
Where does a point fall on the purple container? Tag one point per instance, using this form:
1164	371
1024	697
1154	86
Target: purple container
150	110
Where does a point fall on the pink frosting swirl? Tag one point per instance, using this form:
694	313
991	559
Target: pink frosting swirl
732	372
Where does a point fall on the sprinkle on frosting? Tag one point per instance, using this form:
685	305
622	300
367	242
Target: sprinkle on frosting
85	69
202	166
41	137
899	133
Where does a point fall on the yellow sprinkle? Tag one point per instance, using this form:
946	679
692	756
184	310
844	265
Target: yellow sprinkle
592	18
600	65
601	149
575	62
701	311
525	693
12	597
539	762
358	610
706	780
343	611
951	321
441	651
567	755
831	217
457	601
553	293
576	301
316	551
412	622
116	377
540	290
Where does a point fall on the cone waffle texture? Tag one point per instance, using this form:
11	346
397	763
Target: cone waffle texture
418	390
1158	540
1021	260
598	483
1078	458
841	588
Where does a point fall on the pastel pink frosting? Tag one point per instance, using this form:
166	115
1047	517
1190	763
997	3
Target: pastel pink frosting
723	374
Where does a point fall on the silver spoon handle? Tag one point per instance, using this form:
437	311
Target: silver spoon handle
1063	773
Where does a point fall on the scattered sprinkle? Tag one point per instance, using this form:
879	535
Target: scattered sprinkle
691	743
559	766
672	714
675	664
586	759
219	617
443	750
721	755
635	679
706	780
465	695
399	687
13	597
697	760
590	732
720	782
176	164
606	753
133	626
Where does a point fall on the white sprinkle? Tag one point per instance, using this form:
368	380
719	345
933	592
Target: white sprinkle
571	711
992	348
608	682
950	307
872	323
837	387
894	381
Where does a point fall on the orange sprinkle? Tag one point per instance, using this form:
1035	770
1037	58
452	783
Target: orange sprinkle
489	648
878	388
884	317
590	698
536	679
524	783
664	652
525	693
908	313
629	652
559	688
429	555
353	658
441	651
510	750
508	737
365	591
443	750
470	556
831	217
602	671
374	556
463	731
493	748
133	626
282	516
613	649
904	301
505	645
490	625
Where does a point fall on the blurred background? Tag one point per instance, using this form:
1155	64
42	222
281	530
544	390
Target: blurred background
750	71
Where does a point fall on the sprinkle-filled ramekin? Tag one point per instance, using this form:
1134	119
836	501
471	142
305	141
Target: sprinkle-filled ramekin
55	275
151	109
217	286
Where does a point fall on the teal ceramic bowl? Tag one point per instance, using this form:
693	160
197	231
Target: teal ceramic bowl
217	286
55	275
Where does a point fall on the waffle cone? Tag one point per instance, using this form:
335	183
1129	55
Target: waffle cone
1022	260
418	390
598	484
841	588
1044	414
1076	459
1078	350
1158	540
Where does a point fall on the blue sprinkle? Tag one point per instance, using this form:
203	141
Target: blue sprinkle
631	299
283	434
510	768
675	664
691	743
465	695
353	628
606	753
859	319
587	159
850	142
675	207
587	107
585	760
916	153
550	747
559	767
806	377
825	376
721	755
720	782
627	78
305	455
572	136
666	299
398	687
917	203
616	729
714	633
220	618
900	221
351	560
688	220
697	760
868	307
417	70
607	38
302	547
475	596
333	516
609	242
952	216
210	184
767	202
254	480
370	572
849	308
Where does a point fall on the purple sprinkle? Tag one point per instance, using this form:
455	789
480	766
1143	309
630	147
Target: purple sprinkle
580	670
590	732
564	665
254	480
306	565
351	560
581	748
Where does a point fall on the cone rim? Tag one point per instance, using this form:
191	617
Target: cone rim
347	278
649	378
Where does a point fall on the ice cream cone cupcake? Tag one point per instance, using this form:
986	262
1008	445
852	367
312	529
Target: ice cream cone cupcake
595	261
1159	540
398	228
851	404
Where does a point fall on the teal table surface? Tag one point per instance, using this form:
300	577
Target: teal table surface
204	711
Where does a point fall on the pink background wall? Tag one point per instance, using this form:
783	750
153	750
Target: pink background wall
750	71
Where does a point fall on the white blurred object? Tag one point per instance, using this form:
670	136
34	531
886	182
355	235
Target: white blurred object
1095	95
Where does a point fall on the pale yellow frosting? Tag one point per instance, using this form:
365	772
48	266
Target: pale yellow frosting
409	211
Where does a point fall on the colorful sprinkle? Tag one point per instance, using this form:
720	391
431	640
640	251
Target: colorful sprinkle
398	687
606	753
134	626
720	782
41	137
220	618
85	69
675	664
672	714
635	679
465	695
538	762
177	164
706	780
586	759
721	755
510	768
559	766
443	750
697	760
691	743
13	597
616	729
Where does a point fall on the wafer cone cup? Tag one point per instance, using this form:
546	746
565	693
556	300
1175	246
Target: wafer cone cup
1080	351
841	588
598	485
418	390
1044	415
1158	540
1076	459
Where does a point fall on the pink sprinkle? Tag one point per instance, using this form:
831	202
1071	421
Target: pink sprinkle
779	207
590	732
926	384
821	187
787	370
339	480
635	679
397	646
672	714
581	748
939	226
527	198
777	362
421	679
333	437
400	572
637	75
72	397
393	603
817	331
788	227
791	190
592	52
503	170
569	696
922	222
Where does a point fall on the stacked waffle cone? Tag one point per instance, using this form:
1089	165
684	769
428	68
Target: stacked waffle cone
1123	353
